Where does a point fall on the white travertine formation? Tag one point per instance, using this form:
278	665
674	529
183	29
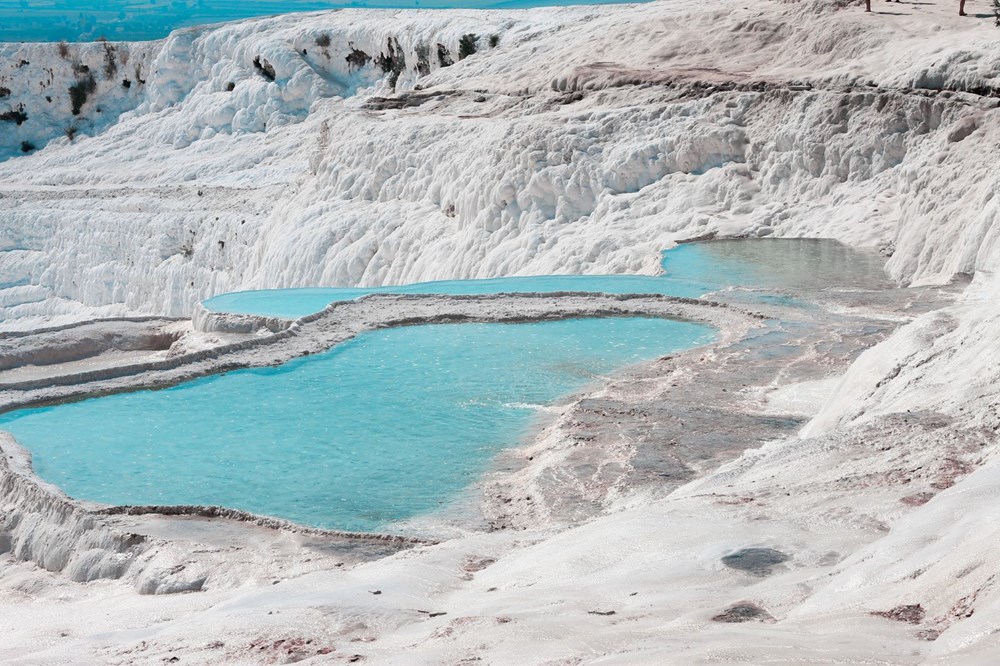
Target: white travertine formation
586	140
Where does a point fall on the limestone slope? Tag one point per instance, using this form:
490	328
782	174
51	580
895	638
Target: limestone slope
351	148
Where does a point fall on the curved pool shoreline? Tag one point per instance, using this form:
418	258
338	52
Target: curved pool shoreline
39	502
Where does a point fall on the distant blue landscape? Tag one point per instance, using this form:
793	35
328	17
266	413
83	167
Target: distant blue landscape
139	20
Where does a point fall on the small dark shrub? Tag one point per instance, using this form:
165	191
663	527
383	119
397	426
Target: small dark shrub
63	49
444	56
80	91
27	146
423	59
110	63
357	58
393	62
16	116
494	41
467	45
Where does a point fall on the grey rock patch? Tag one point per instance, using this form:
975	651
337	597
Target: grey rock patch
909	613
177	579
743	612
755	561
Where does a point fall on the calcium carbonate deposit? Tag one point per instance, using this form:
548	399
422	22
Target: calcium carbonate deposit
817	483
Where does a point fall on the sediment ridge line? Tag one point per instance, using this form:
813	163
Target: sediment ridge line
343	320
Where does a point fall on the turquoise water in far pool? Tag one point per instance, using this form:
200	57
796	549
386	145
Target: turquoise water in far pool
690	270
295	303
389	425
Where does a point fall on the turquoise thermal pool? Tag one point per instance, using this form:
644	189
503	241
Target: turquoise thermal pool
390	425
396	422
690	270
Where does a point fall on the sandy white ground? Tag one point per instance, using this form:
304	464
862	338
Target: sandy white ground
587	140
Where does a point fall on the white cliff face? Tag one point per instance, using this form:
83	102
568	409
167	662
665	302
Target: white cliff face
585	140
50	92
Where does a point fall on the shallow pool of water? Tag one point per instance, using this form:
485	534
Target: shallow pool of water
136	20
689	270
294	303
384	427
